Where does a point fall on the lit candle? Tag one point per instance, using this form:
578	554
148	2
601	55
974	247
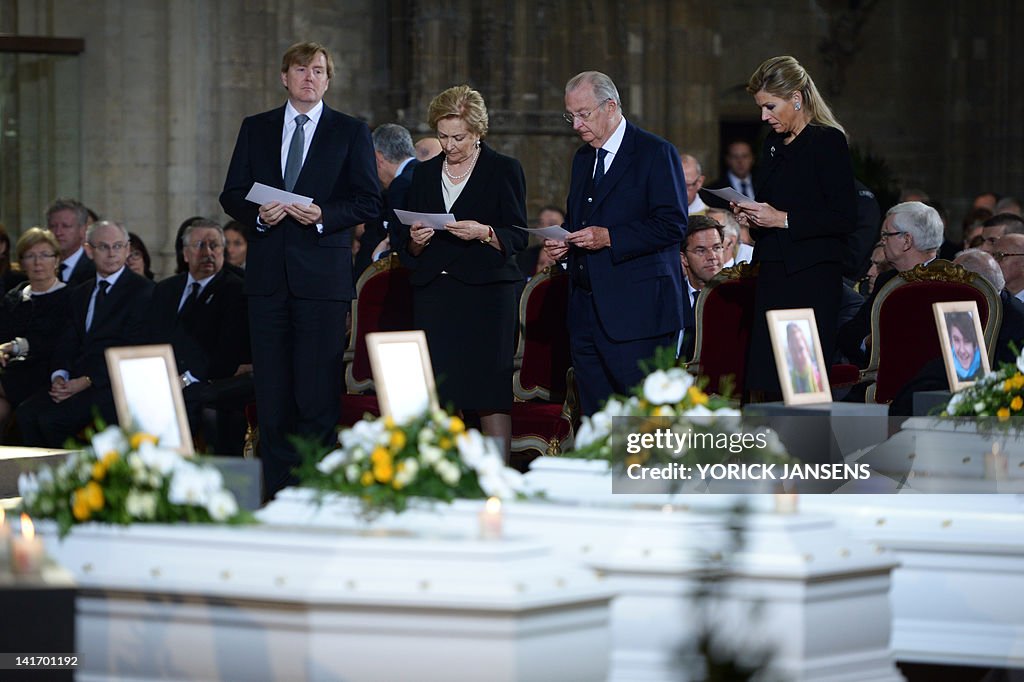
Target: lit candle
490	520
26	549
785	503
5	544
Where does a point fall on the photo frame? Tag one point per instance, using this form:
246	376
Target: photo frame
147	394
402	374
965	358
799	359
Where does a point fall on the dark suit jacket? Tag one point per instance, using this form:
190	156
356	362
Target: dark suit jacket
812	180
211	341
495	195
638	280
119	321
722	182
340	173
85	271
40	320
1012	330
374	233
689	325
852	334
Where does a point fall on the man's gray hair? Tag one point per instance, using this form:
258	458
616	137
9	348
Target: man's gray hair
73	205
394	142
982	263
920	221
727	220
199	224
603	86
105	223
689	158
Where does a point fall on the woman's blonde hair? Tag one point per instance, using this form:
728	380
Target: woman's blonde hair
462	102
783	76
37	235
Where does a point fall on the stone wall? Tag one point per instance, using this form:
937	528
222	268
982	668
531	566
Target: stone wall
162	86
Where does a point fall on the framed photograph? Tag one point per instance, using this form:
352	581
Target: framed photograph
147	394
799	359
402	374
963	342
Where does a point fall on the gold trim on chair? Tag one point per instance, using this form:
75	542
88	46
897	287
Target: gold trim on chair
936	271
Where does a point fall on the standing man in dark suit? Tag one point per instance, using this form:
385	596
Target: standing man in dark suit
202	314
67	220
299	264
396	161
739	174
107	311
627	215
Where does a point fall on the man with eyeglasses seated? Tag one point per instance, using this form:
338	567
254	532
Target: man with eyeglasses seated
911	235
701	256
108	310
1009	253
202	313
997	226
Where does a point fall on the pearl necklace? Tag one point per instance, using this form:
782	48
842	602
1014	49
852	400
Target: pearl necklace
448	172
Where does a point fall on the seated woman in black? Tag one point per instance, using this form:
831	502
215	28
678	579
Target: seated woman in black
32	319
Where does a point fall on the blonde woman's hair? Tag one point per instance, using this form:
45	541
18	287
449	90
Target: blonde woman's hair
461	102
783	76
37	235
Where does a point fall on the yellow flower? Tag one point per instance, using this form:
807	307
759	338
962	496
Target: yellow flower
397	441
1003	414
697	396
1008	385
662	411
79	508
456	425
380	456
139	438
1018	381
383	472
445	443
389	423
99	470
1016	403
93	494
366	479
396	484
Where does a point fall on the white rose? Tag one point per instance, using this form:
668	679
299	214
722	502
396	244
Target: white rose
222	505
660	388
406	471
110	439
954	402
159	459
352	473
448	471
141	505
28	487
472	446
431	454
1020	361
332	461
503	483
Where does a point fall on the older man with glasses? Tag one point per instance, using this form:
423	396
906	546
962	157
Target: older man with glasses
627	215
106	311
1009	253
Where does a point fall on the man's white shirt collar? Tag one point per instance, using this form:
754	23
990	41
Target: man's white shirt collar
72	260
613	143
291	112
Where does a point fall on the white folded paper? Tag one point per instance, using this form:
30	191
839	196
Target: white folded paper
728	194
264	194
434	220
556	232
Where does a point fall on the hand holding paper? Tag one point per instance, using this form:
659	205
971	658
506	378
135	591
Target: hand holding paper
435	221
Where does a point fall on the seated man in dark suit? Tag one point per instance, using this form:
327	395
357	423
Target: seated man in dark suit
202	314
67	220
107	311
701	255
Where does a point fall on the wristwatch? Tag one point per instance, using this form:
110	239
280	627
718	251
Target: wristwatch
187	380
490	236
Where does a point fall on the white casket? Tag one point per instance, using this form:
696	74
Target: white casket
300	603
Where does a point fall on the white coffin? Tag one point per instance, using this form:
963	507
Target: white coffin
212	603
823	593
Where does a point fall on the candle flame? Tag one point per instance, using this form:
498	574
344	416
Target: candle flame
28	531
493	505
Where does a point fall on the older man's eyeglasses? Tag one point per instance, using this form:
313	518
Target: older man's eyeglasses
886	235
999	255
583	116
116	247
704	252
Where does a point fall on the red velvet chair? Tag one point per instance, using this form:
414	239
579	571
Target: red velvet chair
725	316
545	412
903	333
383	303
